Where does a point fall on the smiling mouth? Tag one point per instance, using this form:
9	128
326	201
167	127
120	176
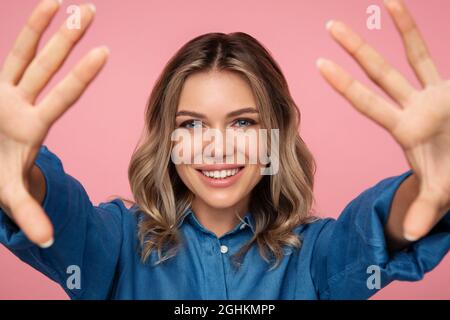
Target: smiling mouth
220	174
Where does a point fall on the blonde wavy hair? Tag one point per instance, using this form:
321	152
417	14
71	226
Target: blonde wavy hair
279	203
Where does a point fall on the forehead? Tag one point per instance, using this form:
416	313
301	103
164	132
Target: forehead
216	93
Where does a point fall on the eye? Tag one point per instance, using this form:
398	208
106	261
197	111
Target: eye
243	122
191	124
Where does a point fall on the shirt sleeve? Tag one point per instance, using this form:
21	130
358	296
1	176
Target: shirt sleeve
350	256
87	238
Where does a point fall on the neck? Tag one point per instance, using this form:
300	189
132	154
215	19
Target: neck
219	220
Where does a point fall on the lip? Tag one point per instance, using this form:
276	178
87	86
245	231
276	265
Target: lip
220	183
218	166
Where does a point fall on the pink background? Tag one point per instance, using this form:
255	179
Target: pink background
95	138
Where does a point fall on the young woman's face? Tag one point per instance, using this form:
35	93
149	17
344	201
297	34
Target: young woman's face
219	101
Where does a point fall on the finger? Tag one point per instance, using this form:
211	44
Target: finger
364	100
72	86
375	66
415	46
25	46
52	56
31	218
422	216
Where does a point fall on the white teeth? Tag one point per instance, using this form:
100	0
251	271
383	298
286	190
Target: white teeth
220	174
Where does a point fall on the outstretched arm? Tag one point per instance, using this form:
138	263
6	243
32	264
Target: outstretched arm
24	123
40	204
352	258
419	122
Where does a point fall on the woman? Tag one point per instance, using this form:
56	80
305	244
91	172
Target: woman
214	229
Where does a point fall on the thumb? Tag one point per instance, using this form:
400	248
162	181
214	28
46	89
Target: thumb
422	215
30	217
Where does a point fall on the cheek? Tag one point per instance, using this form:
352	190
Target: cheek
185	150
255	174
185	175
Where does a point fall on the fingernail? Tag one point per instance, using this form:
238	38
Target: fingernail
106	49
329	24
92	7
59	1
410	237
392	4
320	62
47	244
387	2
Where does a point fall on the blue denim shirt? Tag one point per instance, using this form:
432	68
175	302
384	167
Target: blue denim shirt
337	259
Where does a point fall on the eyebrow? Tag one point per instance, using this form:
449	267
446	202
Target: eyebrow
229	115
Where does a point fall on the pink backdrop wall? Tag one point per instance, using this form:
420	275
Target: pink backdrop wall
96	137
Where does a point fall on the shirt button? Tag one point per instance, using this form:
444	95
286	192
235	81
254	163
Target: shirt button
223	249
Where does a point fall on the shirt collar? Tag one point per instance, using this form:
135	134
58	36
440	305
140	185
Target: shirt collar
189	215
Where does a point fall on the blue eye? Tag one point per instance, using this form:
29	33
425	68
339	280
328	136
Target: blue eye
244	122
191	124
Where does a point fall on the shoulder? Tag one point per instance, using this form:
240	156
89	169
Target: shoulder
126	220
117	210
318	230
314	228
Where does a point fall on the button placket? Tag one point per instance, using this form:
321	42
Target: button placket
214	271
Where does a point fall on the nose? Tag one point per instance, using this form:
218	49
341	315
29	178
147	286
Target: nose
218	146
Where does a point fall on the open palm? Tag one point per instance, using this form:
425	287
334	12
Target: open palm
25	124
419	122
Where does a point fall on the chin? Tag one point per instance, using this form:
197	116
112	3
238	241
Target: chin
219	199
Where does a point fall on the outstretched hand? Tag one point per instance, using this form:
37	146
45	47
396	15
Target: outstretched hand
25	124
420	119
